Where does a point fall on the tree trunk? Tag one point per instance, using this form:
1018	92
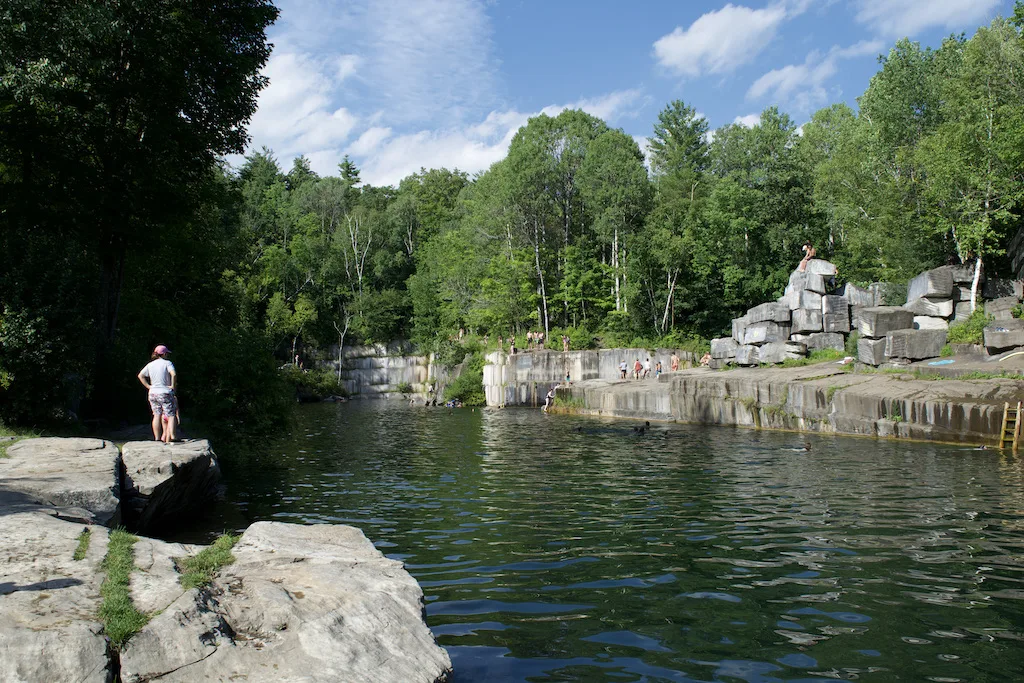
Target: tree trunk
668	302
974	282
615	267
540	273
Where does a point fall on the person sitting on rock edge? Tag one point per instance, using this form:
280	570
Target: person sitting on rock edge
809	252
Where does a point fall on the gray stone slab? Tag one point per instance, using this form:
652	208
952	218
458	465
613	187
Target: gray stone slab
836	322
747	355
871	351
826	340
739	326
724	347
997	288
963	293
806	299
1001	309
66	472
857	296
772	312
961	311
806	320
877	321
927	322
1006	334
311	603
936	284
808	280
937	308
764	332
799	338
168	484
833	303
914	344
777	352
964	274
821	267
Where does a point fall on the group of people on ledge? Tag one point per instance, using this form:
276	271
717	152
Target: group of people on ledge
534	341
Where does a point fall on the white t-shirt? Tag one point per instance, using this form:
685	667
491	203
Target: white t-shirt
647	364
158	372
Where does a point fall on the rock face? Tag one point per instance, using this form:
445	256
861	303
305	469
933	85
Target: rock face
166	483
935	284
1005	334
914	344
878	321
80	474
311	603
49	602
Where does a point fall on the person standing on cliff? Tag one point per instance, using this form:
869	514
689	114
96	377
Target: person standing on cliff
160	379
637	367
675	362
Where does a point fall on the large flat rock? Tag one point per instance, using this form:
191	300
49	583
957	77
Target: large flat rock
66	472
167	483
49	601
311	603
878	321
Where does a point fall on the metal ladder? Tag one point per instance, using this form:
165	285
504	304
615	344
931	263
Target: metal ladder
1010	433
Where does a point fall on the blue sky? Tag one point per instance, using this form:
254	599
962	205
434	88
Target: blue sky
404	84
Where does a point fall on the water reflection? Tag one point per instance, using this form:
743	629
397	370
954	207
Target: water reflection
555	548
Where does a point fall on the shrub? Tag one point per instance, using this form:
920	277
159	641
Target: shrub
851	344
317	384
468	387
970	331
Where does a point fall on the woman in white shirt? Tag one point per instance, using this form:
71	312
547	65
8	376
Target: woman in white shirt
160	379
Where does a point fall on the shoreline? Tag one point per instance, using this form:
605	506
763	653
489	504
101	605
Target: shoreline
822	398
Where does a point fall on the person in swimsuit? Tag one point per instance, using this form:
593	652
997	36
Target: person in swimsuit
809	252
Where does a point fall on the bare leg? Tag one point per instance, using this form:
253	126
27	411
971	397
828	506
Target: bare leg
169	428
156	427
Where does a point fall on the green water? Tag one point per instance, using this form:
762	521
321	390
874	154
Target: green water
553	548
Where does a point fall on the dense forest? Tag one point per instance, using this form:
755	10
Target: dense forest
120	227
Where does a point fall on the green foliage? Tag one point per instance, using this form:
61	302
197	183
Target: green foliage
468	386
121	619
970	331
404	388
1017	311
946	351
814	357
200	569
851	343
316	383
83	545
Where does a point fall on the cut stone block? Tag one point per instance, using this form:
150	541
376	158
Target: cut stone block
724	347
806	320
927	322
762	333
776	352
936	283
964	274
826	340
996	288
1006	334
962	293
718	363
768	312
962	311
871	351
858	296
799	338
914	344
836	322
806	280
806	299
937	308
855	312
1002	308
832	303
739	326
821	267
878	321
747	355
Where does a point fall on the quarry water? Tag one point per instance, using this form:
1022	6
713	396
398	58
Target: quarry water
556	548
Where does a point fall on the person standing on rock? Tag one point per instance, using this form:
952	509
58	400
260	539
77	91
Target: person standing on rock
675	362
160	379
637	367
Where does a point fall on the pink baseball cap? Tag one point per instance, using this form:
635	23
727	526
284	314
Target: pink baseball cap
161	350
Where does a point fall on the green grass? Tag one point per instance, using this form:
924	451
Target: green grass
83	544
831	392
201	568
121	620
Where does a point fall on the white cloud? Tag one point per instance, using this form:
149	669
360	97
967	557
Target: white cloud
370	139
748	121
295	114
803	86
722	40
474	147
898	18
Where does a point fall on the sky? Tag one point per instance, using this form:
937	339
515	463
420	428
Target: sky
400	85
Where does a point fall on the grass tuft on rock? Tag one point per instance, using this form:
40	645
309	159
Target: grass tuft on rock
83	544
200	569
121	620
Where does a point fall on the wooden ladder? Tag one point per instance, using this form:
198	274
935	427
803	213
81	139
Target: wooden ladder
1010	433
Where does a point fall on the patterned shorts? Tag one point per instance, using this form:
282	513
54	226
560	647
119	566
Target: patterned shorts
163	403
